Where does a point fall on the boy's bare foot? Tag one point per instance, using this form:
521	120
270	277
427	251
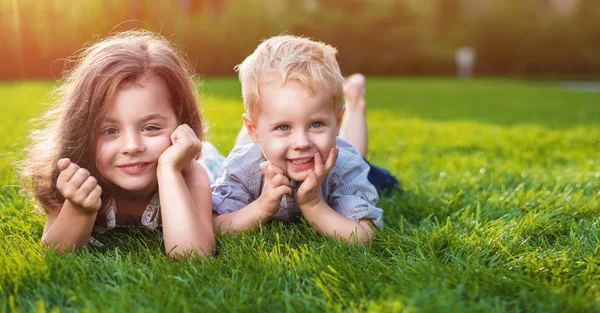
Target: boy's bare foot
354	92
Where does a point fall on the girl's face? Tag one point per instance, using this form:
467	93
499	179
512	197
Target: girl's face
134	133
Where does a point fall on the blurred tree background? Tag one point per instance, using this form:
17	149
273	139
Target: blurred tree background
376	37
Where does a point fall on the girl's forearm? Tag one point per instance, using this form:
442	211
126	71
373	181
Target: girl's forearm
186	218
69	230
330	223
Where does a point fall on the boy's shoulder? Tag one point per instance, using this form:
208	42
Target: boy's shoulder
348	157
244	157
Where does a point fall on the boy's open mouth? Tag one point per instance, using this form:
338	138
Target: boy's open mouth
302	164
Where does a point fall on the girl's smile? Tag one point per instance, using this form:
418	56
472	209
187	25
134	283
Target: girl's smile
134	133
134	168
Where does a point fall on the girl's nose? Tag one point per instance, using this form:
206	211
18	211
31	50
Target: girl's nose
133	144
302	141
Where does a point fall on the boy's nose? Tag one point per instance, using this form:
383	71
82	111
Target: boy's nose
302	141
133	144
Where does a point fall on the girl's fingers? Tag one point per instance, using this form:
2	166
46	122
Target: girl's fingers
93	199
183	132
63	164
66	174
79	178
175	135
88	185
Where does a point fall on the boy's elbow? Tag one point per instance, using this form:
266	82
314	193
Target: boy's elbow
364	232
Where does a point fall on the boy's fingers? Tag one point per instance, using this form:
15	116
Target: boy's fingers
283	190
275	169
318	164
310	181
278	180
333	155
281	179
263	167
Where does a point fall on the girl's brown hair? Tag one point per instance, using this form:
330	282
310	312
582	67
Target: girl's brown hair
70	128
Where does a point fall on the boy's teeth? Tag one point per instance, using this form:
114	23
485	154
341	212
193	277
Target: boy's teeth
301	161
131	167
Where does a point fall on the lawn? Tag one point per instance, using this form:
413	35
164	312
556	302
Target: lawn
500	212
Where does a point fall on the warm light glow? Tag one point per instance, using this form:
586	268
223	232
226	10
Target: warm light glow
18	41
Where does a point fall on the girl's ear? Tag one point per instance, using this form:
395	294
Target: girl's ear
338	120
250	127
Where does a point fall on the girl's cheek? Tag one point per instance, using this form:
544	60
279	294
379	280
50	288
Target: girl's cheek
162	142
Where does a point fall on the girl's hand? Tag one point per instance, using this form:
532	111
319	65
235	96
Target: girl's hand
308	193
77	186
185	147
276	185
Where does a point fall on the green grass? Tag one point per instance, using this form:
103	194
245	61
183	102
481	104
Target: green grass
501	212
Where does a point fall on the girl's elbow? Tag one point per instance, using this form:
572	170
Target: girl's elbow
59	247
190	251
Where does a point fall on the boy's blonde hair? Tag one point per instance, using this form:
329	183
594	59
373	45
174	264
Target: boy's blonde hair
70	128
281	59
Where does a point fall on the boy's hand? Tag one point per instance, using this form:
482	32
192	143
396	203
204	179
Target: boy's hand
276	185
308	194
186	146
77	186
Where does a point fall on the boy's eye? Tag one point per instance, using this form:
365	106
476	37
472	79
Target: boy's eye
316	124
283	127
149	128
110	131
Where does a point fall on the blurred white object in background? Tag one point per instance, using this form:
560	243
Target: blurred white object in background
465	62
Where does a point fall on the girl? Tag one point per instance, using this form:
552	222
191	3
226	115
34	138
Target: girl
120	147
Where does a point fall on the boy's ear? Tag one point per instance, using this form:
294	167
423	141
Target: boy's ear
250	127
338	120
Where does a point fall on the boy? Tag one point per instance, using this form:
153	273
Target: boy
292	90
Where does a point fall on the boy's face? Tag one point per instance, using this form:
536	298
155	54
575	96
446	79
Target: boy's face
292	126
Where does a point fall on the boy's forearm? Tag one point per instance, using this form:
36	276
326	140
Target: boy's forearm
70	230
245	219
330	223
185	229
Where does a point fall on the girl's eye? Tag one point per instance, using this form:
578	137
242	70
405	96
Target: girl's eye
110	131
283	127
150	128
316	124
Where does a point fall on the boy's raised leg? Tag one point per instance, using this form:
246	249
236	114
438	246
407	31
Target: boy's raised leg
354	123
